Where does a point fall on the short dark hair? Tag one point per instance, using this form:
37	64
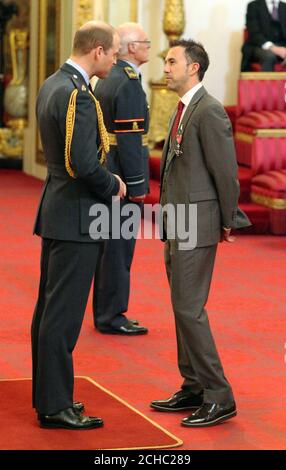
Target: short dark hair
194	52
91	36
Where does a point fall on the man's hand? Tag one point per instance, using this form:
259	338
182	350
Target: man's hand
279	50
225	235
137	198
122	188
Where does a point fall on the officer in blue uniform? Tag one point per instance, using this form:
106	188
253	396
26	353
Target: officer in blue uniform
125	111
72	130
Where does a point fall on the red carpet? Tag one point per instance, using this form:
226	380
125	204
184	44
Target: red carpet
124	427
246	309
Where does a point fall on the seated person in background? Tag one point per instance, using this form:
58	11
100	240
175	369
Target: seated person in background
266	42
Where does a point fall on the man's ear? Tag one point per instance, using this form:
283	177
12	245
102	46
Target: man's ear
131	47
195	68
98	52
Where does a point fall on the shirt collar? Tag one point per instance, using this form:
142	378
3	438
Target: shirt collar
269	4
79	69
186	99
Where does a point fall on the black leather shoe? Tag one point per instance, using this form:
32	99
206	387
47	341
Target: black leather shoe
129	329
181	400
69	419
134	322
78	407
210	414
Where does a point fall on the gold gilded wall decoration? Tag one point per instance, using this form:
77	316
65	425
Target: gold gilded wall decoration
174	19
164	101
84	12
16	96
49	38
16	93
128	11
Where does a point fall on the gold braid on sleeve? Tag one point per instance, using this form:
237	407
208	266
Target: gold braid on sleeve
70	119
104	139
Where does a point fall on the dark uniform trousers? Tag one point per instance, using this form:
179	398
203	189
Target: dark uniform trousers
112	278
126	117
58	316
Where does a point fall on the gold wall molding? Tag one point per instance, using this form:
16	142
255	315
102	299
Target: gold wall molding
163	100
46	68
128	11
48	51
134	10
84	11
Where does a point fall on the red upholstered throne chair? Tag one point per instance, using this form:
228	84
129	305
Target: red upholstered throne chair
269	189
256	67
260	138
261	116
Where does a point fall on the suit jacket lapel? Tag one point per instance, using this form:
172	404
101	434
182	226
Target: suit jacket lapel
192	106
166	144
265	12
282	16
187	116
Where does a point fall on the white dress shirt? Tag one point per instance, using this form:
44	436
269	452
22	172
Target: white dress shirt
186	99
270	4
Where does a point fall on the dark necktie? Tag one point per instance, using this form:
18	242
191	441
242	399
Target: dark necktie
274	13
177	119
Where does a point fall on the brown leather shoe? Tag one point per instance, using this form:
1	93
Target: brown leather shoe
69	419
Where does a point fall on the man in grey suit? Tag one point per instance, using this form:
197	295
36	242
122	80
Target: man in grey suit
198	167
72	132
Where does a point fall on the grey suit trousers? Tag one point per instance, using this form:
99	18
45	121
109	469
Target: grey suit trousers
189	274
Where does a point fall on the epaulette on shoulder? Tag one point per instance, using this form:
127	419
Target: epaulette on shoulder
131	73
78	83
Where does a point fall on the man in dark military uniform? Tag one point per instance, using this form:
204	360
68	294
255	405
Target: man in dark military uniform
72	130
125	111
